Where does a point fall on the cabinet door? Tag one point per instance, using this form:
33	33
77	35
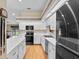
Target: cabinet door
51	51
43	43
36	38
21	50
13	54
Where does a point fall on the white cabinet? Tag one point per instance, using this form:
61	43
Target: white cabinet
21	50
51	51
13	54
43	43
36	38
18	52
49	46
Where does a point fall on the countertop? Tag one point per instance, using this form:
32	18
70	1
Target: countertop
14	41
52	40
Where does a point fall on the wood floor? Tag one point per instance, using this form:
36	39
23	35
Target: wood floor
35	52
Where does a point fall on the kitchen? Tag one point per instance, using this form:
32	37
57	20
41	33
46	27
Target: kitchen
39	29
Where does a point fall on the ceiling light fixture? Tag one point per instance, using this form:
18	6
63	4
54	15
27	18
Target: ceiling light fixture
28	8
19	0
62	15
13	14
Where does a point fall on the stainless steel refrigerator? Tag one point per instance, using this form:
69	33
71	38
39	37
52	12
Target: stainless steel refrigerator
67	46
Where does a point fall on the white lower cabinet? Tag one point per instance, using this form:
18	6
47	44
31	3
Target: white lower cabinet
43	43
18	52
13	54
36	38
51	51
21	50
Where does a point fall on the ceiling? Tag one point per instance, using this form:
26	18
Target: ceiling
14	7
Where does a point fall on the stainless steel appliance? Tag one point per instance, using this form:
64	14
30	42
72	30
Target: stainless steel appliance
29	34
67	46
3	15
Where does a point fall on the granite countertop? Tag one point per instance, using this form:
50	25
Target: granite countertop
14	41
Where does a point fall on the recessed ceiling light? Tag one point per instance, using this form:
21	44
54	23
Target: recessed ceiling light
67	3
13	14
19	0
28	8
62	15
